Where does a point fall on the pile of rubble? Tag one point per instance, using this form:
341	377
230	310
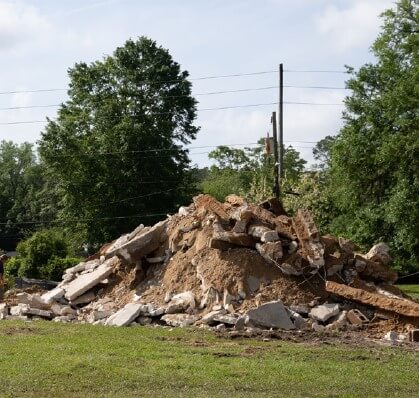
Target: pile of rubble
228	265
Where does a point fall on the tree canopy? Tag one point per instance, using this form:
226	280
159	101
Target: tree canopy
374	161
116	148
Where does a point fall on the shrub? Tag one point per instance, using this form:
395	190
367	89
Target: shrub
56	266
37	251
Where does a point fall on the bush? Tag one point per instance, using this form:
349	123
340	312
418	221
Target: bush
39	255
56	266
11	267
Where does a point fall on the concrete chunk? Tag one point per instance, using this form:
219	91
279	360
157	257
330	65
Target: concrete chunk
85	282
52	295
179	320
323	312
270	315
84	298
141	245
125	315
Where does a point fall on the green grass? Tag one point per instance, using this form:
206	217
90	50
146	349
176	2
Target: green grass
411	290
45	359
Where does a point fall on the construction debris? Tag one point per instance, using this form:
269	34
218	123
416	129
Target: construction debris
226	266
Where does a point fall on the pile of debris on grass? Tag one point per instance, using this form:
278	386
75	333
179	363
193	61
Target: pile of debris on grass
228	265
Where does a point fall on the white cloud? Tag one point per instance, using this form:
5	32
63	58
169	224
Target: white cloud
19	23
353	26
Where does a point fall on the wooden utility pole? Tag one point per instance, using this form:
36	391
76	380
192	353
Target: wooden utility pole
277	186
281	123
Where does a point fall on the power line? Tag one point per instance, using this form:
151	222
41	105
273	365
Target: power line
153	81
198	110
197	94
315	71
80	219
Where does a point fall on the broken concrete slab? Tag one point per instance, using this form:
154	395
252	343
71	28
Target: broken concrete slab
84	298
270	315
125	315
52	295
400	306
324	312
33	300
179	320
85	282
142	245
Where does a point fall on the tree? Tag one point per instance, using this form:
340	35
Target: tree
321	152
375	159
23	194
249	172
115	150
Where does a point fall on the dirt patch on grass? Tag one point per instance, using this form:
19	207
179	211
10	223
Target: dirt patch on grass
18	330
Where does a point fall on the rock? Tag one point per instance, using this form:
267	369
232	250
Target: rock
334	269
144	320
317	328
263	233
155	260
292	247
347	245
289	269
270	315
183	211
220	328
338	322
125	315
379	252
227	298
179	320
181	302
376	270
232	238
299	322
270	251
210	297
323	312
209	318
52	295
84	298
224	318
25	309
253	283
300	309
62	310
4	311
85	282
157	312
240	323
32	300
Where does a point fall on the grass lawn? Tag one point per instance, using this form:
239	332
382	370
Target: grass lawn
46	359
411	290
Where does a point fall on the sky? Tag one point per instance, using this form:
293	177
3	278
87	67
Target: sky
40	40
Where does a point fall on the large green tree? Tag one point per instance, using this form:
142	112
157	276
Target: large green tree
374	164
116	147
